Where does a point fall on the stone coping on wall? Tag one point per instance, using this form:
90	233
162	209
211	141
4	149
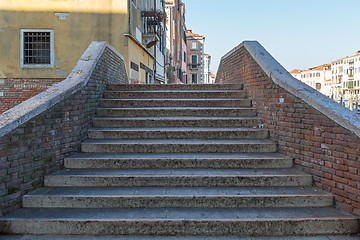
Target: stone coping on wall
280	76
76	80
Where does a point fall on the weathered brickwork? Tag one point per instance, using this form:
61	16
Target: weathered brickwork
16	91
39	146
319	146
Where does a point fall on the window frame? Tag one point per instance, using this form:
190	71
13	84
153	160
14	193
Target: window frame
192	64
197	78
194	43
197	59
52	49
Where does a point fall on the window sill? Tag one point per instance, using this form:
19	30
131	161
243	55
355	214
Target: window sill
37	66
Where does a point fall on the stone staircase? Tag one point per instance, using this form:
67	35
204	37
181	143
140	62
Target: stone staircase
178	160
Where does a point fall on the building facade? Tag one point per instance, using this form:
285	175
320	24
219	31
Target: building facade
48	37
351	80
42	40
175	41
154	36
339	80
212	78
207	71
195	57
317	78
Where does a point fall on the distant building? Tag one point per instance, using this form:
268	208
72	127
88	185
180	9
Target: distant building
339	80
296	73
176	46
337	76
350	79
195	46
317	77
207	72
212	78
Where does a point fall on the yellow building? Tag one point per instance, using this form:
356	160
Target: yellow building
45	38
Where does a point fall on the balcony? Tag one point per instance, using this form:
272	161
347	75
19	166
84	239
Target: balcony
194	66
152	26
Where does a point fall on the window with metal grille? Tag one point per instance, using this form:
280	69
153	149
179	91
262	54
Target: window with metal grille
37	48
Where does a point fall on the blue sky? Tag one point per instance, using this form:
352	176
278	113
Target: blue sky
298	33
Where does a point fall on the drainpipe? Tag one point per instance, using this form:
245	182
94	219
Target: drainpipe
129	12
155	60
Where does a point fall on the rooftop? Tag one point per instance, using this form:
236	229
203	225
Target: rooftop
189	33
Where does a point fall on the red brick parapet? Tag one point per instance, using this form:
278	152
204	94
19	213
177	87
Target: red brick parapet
38	134
15	91
322	136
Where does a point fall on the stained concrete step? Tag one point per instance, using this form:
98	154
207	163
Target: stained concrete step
176	94
178	178
166	197
177	111
179	160
178	133
178	146
180	221
177	122
178	102
146	87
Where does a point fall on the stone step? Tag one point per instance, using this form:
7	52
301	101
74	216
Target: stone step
178	146
176	94
178	178
178	133
178	102
180	221
147	87
166	197
176	111
179	160
177	122
137	237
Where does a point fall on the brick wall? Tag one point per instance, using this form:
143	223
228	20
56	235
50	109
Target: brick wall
39	146
16	91
319	146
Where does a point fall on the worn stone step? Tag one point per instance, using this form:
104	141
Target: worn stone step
178	102
178	133
177	122
178	178
180	221
179	160
166	197
178	146
146	87
137	237
177	111
176	94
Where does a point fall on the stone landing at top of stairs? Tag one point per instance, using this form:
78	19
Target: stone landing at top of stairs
190	160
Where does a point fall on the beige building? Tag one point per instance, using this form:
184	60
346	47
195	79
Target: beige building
45	38
318	77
